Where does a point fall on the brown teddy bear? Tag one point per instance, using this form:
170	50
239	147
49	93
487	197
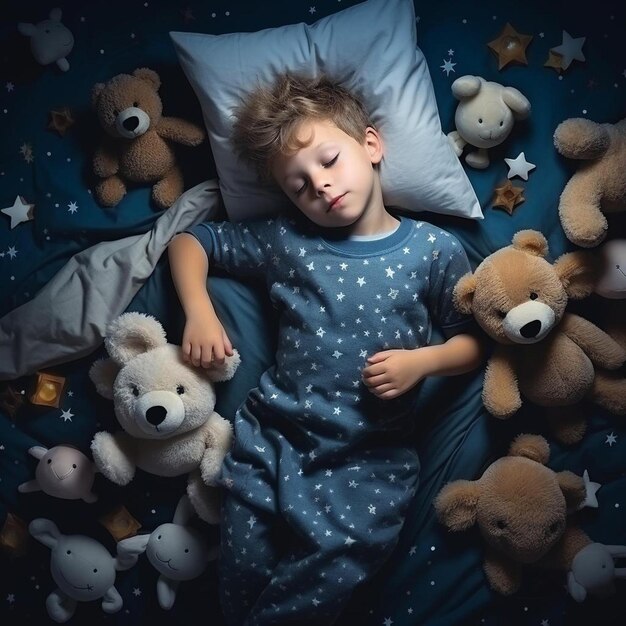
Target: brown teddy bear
599	186
137	146
521	509
543	353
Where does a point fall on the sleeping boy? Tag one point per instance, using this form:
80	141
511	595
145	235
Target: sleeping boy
322	471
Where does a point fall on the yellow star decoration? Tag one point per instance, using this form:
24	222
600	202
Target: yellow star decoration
510	46
508	197
61	120
555	61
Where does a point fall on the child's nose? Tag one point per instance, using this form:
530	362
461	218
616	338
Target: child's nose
321	182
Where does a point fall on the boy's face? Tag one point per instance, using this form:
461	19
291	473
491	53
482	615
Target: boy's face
332	180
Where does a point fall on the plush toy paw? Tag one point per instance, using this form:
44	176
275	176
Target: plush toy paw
456	142
205	500
478	159
111	459
110	191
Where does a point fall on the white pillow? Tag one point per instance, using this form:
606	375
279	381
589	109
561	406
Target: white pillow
370	49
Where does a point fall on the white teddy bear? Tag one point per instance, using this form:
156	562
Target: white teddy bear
484	116
165	407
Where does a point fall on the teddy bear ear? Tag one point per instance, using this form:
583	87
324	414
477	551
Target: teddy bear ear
103	374
455	504
220	373
578	271
532	447
466	86
517	102
573	489
132	334
463	294
531	241
96	90
578	138
149	76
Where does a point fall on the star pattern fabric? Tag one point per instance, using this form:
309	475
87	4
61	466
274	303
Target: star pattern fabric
313	447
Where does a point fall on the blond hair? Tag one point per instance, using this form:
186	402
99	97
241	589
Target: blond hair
267	121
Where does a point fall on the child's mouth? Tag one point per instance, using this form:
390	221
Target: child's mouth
336	202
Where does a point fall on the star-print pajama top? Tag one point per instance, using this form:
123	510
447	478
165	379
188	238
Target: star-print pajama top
313	446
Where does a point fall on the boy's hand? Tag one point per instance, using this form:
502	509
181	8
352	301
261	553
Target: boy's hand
205	341
391	373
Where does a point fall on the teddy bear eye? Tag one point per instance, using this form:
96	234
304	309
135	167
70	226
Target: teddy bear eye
95	571
501	123
69	552
533	295
501	314
135	390
480	120
180	390
135	104
186	550
49	461
554	527
74	465
501	524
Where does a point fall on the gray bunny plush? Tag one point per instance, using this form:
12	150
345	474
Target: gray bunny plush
82	568
177	551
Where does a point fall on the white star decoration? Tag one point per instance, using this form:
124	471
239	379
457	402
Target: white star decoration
67	415
448	66
611	439
571	49
591	500
519	166
19	212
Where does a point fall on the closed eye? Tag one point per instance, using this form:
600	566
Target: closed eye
299	191
331	162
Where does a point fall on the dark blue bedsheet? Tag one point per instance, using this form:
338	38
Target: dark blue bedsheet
434	578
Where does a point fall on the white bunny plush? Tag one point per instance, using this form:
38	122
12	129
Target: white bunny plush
50	40
593	571
484	116
82	568
166	409
177	551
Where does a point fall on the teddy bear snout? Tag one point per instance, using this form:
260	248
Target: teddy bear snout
159	413
156	414
132	122
529	322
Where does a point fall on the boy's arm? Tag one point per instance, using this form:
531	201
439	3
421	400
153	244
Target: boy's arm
204	337
393	372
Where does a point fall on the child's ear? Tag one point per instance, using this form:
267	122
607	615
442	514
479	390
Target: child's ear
374	145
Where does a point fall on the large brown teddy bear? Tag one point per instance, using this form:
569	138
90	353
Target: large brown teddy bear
137	146
543	353
521	508
599	185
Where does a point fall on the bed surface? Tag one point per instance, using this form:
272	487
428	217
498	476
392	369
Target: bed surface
433	578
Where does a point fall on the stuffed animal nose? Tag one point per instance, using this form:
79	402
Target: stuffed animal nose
156	414
531	329
130	123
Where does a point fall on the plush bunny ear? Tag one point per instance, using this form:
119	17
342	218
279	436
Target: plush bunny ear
184	511
532	447
463	294
456	504
219	373
132	334
576	590
531	241
578	272
128	551
517	102
45	531
149	76
466	86
26	29
103	374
